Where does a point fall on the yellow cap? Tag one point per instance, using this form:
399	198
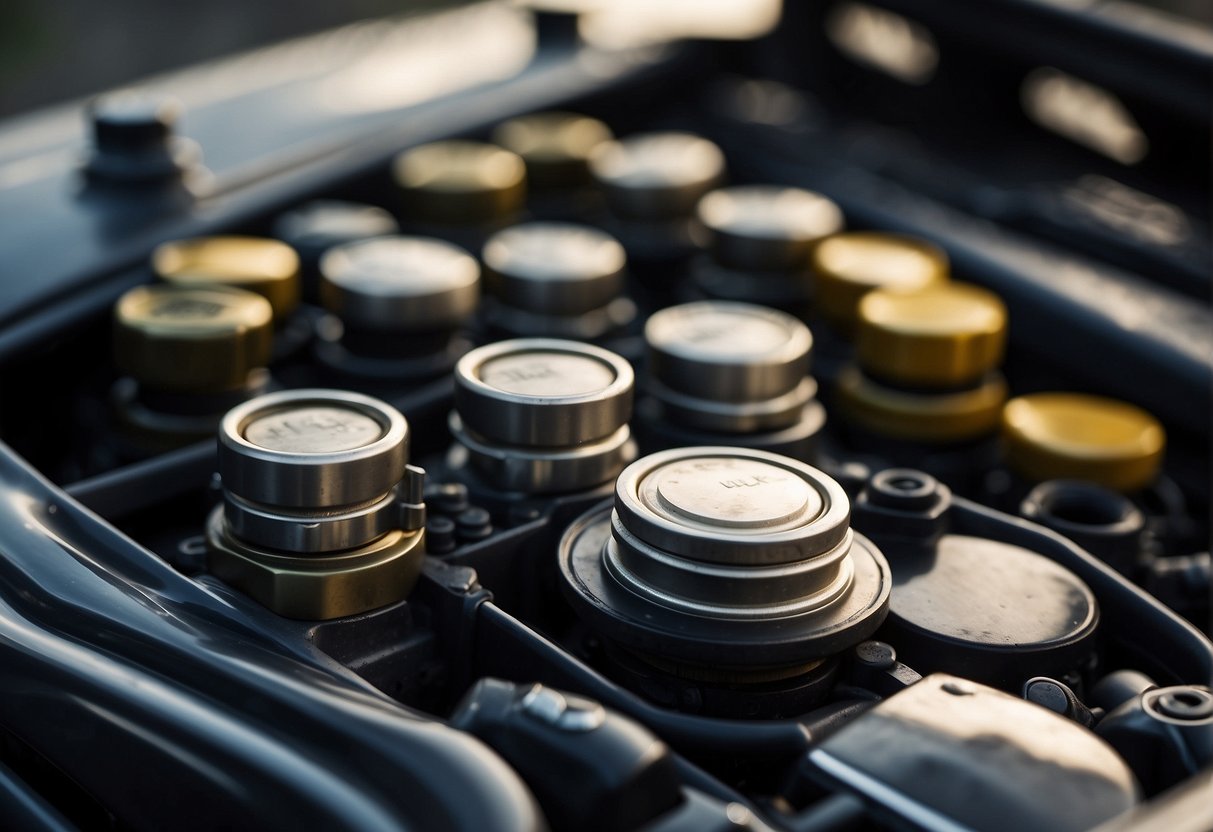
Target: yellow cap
459	181
556	146
945	335
847	266
205	338
1074	436
921	417
268	267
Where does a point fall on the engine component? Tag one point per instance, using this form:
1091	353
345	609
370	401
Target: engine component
730	373
1165	734
543	416
321	513
268	267
947	753
730	566
556	280
555	146
1103	522
315	227
459	182
134	142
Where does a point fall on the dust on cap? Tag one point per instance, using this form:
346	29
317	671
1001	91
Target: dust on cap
1076	436
849	265
556	146
459	181
205	338
944	335
268	267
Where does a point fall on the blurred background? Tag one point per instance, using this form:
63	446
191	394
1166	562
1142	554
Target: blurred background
57	50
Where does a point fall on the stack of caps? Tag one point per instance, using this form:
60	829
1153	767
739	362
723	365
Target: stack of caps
848	266
557	280
652	183
457	184
400	302
543	416
321	512
190	352
761	239
731	372
1072	436
314	228
927	364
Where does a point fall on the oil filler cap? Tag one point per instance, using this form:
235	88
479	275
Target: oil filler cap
725	555
556	146
767	227
460	181
554	268
847	266
657	175
1075	436
268	267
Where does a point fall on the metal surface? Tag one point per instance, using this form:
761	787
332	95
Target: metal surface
767	227
268	267
458	181
771	414
312	449
1074	436
554	268
543	393
657	175
400	284
192	338
556	146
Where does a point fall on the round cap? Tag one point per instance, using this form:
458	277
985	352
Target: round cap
657	175
949	334
312	449
133	119
319	225
459	181
543	392
192	337
1074	436
268	267
767	227
921	417
847	266
727	351
731	505
556	146
400	283
554	268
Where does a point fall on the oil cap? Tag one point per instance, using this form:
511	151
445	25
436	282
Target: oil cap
538	415
943	336
657	175
554	268
314	228
192	338
767	227
461	182
849	265
400	283
730	367
727	556
556	146
268	267
1082	437
930	417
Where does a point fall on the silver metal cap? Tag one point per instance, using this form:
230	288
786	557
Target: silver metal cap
400	283
767	227
657	175
542	392
307	449
725	351
317	226
554	268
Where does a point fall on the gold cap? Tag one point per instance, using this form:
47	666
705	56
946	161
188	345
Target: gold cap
1074	436
192	337
556	146
268	267
461	181
945	335
847	266
921	417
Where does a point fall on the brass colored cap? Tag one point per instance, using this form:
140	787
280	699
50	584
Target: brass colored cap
847	266
1074	436
556	146
654	176
192	337
949	334
268	267
459	181
921	417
